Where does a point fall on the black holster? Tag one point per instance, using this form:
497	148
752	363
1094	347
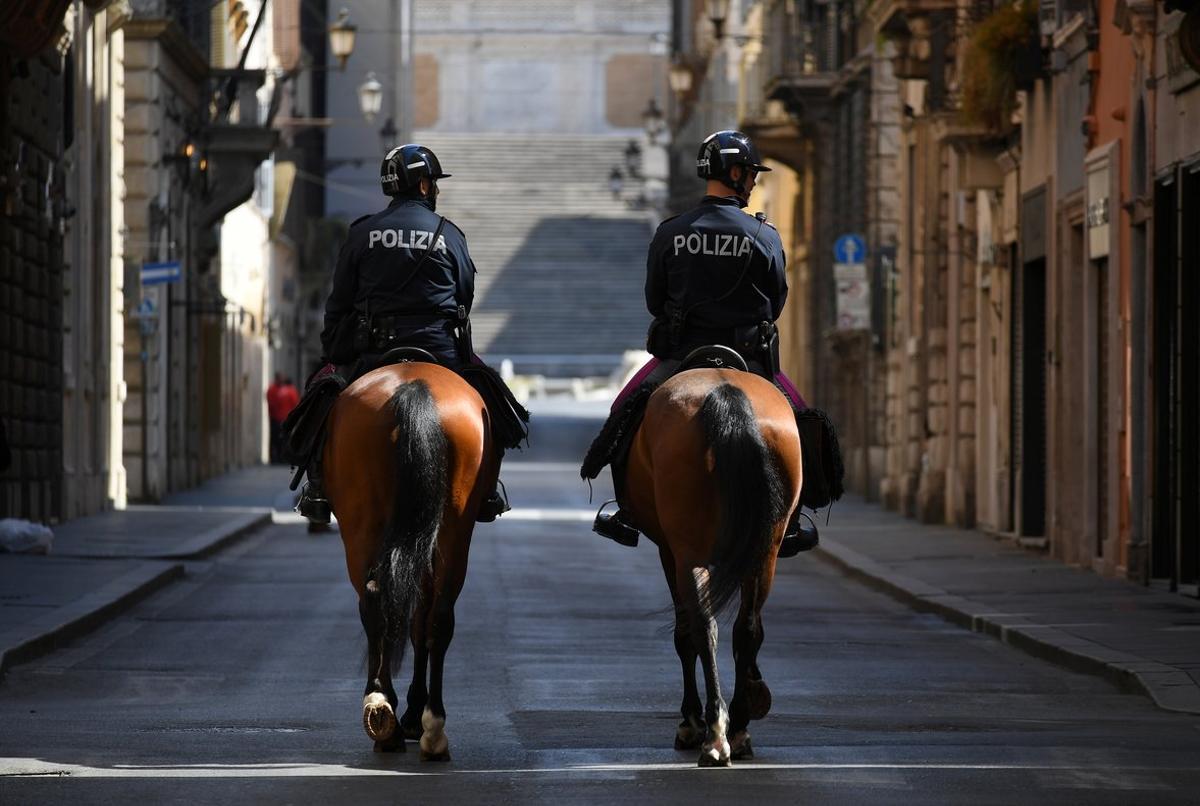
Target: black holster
463	343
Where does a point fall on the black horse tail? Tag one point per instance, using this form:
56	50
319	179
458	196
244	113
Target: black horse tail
421	489
750	493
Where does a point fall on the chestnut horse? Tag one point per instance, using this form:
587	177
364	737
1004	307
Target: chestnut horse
713	473
408	459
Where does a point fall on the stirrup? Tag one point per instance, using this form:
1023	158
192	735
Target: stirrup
799	537
614	528
494	505
314	507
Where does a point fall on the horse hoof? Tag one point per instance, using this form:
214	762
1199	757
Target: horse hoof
759	697
379	720
393	745
714	758
435	746
410	730
689	735
740	748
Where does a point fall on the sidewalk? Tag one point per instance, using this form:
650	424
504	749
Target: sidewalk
1141	639
102	564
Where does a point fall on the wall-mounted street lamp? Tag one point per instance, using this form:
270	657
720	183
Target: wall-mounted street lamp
653	121
633	159
370	97
341	38
680	78
718	12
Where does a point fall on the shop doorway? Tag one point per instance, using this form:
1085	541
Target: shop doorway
1175	517
1028	437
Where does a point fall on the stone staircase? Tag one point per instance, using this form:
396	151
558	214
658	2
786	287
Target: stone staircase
561	262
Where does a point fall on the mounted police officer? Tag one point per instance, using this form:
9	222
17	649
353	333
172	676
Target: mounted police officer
714	276
404	278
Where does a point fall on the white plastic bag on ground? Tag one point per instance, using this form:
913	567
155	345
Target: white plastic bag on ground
23	537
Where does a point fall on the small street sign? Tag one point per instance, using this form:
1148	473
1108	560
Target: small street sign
850	248
157	273
853	296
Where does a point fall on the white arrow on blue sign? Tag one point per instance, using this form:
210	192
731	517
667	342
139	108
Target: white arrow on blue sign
155	273
850	248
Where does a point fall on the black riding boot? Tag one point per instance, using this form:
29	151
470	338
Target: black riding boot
495	504
616	527
798	537
313	504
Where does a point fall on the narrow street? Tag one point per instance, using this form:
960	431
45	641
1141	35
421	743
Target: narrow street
243	680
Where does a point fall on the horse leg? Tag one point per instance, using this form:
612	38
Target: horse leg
714	751
751	697
418	693
690	732
379	699
435	746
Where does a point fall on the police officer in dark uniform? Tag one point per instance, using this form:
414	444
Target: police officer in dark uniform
714	271
404	277
714	275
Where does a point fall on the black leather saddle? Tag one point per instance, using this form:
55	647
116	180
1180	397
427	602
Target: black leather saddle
406	355
713	356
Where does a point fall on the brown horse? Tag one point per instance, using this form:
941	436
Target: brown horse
714	471
408	459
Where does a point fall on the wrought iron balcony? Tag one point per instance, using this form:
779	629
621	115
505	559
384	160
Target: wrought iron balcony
800	49
920	29
236	140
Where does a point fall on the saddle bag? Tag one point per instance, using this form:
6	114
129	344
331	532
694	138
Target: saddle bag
821	459
303	428
509	418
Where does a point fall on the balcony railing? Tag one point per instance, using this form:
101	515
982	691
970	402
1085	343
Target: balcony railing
800	49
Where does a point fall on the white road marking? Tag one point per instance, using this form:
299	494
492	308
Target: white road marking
556	514
22	767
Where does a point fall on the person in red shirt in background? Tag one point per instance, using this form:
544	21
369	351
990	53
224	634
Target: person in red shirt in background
282	397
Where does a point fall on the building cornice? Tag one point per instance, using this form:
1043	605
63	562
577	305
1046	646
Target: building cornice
168	34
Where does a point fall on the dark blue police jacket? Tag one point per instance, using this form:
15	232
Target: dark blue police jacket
374	275
698	256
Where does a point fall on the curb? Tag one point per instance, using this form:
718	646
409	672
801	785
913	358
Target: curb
63	624
219	537
1171	689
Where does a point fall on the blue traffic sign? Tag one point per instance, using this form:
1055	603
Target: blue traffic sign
850	249
155	273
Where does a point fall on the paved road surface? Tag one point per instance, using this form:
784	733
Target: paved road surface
243	683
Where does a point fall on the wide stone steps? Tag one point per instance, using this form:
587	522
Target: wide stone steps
561	262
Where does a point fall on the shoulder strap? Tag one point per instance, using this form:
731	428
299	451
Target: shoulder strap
428	251
736	283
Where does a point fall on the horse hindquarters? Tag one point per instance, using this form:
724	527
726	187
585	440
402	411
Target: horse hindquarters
409	536
750	491
745	511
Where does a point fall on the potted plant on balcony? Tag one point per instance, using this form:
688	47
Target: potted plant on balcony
1003	55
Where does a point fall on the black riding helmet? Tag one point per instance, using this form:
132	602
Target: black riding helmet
404	166
722	150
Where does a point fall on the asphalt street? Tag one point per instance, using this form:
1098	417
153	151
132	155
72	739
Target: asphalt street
243	683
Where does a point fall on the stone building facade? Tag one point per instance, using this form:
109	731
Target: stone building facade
1032	351
31	277
117	153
